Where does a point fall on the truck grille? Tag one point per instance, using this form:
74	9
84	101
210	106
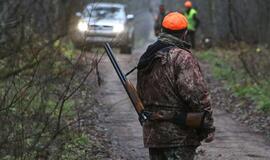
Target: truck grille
99	27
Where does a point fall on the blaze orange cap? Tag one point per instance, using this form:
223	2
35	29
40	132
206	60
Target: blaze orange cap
188	4
175	21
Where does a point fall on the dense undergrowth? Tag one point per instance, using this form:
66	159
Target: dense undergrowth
245	72
46	93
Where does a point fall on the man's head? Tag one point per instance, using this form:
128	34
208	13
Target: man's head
175	24
188	4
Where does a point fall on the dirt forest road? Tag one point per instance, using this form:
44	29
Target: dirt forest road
234	141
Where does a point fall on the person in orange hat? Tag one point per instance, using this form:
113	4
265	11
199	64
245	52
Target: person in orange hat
171	85
193	22
158	20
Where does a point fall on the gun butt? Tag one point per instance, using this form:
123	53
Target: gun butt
194	120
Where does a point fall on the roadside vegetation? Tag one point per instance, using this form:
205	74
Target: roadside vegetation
47	107
243	70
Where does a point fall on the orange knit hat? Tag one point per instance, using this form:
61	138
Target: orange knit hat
175	21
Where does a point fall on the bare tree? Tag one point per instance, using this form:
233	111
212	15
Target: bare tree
41	89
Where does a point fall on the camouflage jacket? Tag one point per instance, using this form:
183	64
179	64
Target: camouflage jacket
169	82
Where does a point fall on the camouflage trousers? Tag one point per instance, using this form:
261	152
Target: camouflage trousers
174	153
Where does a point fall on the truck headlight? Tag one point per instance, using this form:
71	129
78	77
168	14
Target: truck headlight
118	28
82	26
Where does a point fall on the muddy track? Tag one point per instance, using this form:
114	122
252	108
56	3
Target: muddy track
234	141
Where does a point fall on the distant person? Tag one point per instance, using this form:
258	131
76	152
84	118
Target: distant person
193	22
158	20
170	84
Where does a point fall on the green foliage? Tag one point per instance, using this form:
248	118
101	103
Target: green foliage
67	48
237	79
79	145
40	83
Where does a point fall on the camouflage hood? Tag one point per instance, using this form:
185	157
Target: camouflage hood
174	41
164	41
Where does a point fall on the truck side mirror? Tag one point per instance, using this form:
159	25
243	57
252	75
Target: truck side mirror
130	17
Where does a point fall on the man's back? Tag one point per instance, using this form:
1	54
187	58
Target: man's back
160	90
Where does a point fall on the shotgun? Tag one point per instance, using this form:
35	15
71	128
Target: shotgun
129	87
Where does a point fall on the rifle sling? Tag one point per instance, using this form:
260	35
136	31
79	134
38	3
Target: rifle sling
191	120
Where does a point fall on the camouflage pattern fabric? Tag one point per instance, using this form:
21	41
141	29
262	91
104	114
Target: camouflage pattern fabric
172	83
176	153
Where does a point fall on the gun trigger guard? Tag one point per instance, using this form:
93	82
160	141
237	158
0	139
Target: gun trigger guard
144	116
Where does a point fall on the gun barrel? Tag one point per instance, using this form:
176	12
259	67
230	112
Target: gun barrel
126	84
114	63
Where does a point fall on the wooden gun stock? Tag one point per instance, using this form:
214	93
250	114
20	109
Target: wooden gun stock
134	97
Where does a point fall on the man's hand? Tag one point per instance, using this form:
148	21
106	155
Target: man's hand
210	137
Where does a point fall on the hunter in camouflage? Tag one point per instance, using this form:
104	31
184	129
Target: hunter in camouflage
170	82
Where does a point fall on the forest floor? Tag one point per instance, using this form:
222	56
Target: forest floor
118	120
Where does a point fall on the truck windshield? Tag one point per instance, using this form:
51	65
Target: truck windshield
104	13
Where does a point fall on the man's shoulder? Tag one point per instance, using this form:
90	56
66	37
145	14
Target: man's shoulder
182	57
181	53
